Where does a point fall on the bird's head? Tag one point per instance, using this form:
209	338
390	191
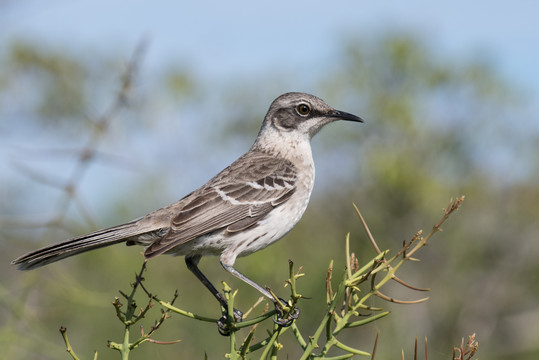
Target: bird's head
302	114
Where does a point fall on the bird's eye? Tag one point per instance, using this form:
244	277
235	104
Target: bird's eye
304	109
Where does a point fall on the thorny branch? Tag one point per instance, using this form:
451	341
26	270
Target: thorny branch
406	252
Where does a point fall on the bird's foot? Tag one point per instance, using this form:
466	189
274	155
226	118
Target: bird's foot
224	324
291	315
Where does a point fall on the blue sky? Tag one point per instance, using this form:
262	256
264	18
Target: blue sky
223	38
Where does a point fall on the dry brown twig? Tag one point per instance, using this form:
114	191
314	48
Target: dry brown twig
466	351
86	155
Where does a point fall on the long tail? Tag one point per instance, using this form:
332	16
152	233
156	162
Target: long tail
74	246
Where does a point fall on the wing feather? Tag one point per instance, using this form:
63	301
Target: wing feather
236	199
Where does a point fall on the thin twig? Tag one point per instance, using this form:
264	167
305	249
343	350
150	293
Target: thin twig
69	349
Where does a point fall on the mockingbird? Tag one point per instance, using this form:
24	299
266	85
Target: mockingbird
249	205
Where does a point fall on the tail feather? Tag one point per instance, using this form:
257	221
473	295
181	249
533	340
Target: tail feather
95	240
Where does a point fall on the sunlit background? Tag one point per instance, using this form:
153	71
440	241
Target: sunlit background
450	95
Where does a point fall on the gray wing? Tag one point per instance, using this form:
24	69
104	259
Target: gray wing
236	199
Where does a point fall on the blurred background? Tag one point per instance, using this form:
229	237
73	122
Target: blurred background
110	110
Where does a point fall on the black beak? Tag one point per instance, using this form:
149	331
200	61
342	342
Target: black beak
345	116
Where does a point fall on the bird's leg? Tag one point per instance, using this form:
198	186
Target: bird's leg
280	320
192	265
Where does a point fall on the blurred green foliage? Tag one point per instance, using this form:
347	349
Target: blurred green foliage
435	128
59	80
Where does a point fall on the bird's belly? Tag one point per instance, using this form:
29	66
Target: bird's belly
269	230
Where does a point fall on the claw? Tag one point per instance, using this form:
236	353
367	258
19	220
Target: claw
222	323
292	315
222	326
238	315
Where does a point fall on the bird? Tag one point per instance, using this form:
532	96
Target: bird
248	206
